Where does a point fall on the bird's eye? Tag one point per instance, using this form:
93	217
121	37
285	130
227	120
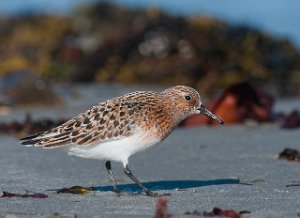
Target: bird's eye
187	97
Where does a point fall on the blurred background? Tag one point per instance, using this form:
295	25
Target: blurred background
249	45
60	57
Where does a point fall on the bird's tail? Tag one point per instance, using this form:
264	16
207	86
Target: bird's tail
50	139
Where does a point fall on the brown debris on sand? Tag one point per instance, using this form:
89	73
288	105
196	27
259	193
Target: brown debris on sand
26	195
217	212
161	210
292	120
290	155
77	190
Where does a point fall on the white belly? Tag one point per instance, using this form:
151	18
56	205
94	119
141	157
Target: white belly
115	150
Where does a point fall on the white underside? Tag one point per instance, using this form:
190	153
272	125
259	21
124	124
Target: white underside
115	150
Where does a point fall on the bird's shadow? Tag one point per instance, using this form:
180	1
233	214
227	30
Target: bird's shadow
167	185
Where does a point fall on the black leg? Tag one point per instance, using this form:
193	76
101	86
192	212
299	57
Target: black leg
111	175
131	176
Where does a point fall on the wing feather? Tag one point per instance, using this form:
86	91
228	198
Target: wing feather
108	120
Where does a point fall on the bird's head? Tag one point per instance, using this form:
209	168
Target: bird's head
186	101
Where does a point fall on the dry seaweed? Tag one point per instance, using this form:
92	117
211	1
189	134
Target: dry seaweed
26	195
77	190
217	212
292	120
293	185
290	155
161	209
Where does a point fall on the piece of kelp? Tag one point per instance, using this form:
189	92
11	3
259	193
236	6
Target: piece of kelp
290	154
77	190
217	212
161	208
26	195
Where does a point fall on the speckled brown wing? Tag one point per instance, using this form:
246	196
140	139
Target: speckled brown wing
109	120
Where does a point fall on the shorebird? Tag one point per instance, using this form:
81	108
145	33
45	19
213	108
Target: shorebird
117	128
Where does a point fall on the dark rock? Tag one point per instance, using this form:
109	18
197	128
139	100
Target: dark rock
25	88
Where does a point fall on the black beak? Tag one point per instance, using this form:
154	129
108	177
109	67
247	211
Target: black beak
203	110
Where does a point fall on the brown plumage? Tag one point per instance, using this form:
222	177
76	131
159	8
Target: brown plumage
112	119
117	128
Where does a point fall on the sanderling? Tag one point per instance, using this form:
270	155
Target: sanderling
117	128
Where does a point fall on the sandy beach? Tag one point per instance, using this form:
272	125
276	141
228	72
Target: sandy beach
231	167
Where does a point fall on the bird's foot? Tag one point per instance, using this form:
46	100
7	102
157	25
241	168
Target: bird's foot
117	191
155	194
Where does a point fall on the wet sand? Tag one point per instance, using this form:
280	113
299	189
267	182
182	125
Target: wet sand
231	167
